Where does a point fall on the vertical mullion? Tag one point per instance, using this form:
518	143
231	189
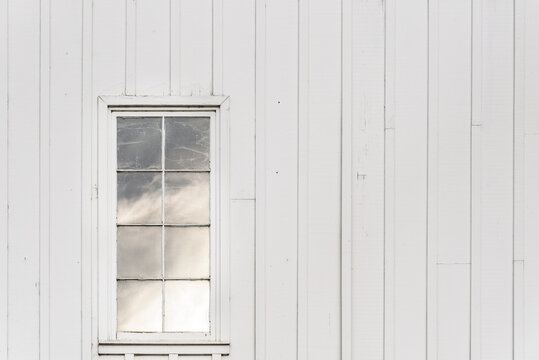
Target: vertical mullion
163	223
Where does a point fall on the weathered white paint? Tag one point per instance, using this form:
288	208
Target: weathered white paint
386	208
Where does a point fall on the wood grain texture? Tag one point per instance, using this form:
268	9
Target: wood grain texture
152	47
280	180
65	179
239	83
496	188
453	311
44	175
449	184
23	179
4	178
410	219
323	182
383	169
242	264
367	179
196	47
531	262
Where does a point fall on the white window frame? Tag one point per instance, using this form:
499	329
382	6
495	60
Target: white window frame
108	338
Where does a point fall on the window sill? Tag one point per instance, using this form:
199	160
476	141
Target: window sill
162	348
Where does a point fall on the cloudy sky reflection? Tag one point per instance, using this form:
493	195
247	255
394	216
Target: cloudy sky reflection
187	252
139	305
139	198
187	143
141	258
187	198
187	306
139	143
139	252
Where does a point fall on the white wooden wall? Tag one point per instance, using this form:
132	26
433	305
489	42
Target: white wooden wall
396	166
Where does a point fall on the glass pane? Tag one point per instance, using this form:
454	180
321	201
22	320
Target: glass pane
187	252
187	198
187	306
139	143
139	252
139	198
139	305
187	143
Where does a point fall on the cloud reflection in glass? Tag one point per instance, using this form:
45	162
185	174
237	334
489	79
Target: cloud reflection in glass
187	306
187	198
187	252
139	143
139	198
139	305
139	252
187	143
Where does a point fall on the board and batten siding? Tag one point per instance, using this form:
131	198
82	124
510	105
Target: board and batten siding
384	169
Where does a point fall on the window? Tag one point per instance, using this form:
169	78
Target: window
162	265
163	223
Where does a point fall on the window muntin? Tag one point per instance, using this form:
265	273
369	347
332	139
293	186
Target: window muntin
164	224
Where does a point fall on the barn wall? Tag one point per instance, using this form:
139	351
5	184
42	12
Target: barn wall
396	166
57	57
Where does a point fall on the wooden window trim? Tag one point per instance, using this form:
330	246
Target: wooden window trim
104	198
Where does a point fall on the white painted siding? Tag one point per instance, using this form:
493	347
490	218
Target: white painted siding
384	169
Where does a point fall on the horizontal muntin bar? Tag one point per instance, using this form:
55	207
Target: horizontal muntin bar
162	279
168	225
162	170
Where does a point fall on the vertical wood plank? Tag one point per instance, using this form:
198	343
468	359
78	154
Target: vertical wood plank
519	200
130	46
389	182
519	313
280	179
531	178
196	53
449	179
367	177
44	176
323	182
242	251
175	47
453	315
452	113
239	83
65	178
475	303
217	47
531	44
86	182
23	181
152	50
346	179
476	175
519	126
109	50
531	261
433	182
260	189
303	177
496	221
389	246
4	176
411	88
